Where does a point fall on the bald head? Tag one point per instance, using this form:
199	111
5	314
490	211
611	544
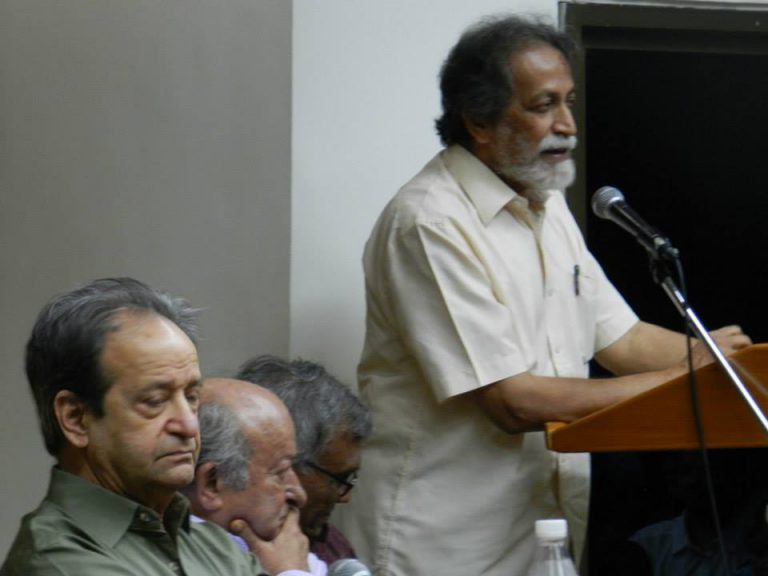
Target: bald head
246	457
251	404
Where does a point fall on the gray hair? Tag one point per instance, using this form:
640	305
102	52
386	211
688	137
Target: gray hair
64	350
222	442
322	408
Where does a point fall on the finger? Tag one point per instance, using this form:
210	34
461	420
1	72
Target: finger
292	517
237	526
241	528
730	330
736	338
742	341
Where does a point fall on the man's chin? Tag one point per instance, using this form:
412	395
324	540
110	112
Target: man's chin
268	536
541	177
316	531
564	175
178	477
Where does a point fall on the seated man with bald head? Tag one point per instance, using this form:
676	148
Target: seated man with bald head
244	475
331	426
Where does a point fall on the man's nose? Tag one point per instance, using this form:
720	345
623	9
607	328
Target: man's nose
564	124
294	491
183	420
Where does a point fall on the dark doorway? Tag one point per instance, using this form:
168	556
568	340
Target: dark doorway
673	111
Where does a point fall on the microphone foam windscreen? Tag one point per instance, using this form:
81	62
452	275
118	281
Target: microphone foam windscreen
348	567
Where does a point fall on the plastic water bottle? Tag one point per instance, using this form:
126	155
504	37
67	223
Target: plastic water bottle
552	557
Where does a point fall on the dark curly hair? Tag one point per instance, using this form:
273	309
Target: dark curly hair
476	81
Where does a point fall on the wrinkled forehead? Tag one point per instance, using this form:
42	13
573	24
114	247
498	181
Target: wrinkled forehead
147	347
272	438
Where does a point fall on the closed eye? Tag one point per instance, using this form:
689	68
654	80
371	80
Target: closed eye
155	401
193	397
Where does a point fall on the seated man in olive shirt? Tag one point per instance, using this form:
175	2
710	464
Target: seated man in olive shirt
114	372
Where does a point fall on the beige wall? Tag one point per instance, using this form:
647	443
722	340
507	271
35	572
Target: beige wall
140	138
364	99
365	94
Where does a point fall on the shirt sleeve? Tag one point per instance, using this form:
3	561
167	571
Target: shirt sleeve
447	310
613	316
316	568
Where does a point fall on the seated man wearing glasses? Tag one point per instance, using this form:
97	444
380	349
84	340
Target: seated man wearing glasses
331	425
245	473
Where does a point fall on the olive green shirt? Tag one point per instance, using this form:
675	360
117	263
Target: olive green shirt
81	529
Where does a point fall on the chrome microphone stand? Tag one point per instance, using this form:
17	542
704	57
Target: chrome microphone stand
662	256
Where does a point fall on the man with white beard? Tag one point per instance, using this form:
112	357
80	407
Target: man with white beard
484	307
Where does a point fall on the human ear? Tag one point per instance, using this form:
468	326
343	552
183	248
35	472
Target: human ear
70	413
207	488
479	131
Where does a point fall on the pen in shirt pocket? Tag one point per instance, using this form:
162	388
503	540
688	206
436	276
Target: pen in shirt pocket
576	271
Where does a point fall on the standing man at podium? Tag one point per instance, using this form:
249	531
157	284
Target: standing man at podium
484	307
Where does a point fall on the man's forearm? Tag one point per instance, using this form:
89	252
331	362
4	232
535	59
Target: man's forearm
644	358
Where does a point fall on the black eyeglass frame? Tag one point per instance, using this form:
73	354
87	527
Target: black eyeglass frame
345	484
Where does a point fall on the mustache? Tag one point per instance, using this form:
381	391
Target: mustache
555	142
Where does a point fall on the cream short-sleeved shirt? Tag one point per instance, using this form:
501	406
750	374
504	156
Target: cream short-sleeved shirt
457	299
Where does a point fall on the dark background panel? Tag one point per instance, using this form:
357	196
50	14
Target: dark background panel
683	135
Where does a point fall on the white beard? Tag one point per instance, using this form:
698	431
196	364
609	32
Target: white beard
536	175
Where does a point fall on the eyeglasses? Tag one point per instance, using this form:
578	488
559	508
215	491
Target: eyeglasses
345	484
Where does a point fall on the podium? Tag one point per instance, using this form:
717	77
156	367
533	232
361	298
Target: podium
662	418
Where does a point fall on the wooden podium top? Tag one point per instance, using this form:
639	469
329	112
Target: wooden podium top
662	418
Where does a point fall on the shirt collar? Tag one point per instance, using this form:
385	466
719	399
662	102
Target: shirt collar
236	539
734	542
679	537
107	516
489	193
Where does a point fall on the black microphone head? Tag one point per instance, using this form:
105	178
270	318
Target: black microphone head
348	567
603	199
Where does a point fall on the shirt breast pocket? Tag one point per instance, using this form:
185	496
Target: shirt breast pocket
586	287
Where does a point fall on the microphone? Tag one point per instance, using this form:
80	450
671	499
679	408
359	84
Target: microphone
608	203
348	567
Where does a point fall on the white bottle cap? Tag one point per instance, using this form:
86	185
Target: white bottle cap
549	530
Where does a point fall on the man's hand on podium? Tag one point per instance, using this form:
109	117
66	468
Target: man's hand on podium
728	338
